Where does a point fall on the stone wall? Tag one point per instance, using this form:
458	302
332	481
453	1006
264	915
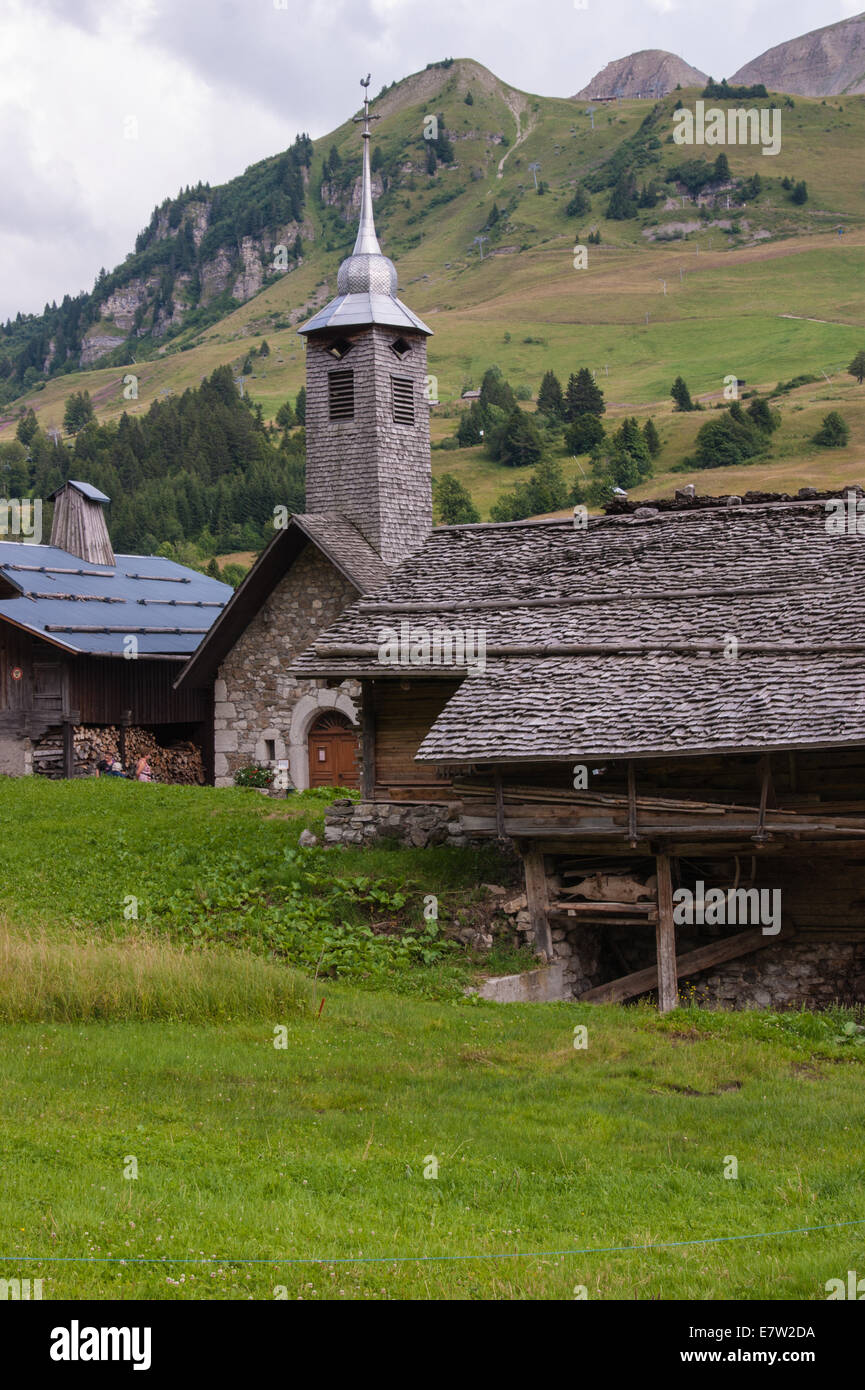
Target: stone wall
16	756
255	698
411	823
808	974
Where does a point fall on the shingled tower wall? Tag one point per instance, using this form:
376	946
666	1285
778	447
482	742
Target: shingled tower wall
373	470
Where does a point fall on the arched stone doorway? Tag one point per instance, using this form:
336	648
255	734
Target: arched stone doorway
333	760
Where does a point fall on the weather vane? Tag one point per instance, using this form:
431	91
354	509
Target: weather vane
366	117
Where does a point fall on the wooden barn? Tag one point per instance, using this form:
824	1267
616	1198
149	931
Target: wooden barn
663	712
90	644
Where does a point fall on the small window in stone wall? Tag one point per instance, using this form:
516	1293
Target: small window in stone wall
270	750
402	390
340	387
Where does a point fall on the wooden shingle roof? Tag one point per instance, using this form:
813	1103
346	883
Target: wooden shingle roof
612	640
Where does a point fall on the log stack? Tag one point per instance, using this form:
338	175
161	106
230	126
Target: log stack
180	763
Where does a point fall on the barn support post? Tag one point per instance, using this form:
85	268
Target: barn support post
538	900
367	742
125	721
68	748
665	937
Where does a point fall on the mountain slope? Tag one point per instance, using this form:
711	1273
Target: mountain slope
826	62
650	73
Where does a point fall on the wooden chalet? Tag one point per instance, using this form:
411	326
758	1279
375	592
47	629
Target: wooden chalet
670	700
91	642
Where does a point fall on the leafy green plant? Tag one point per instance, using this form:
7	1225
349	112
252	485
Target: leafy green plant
254	776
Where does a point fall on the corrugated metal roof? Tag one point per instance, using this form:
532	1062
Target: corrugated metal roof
167	607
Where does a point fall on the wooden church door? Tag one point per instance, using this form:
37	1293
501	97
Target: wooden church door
333	752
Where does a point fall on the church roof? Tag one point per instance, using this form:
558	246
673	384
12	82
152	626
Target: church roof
611	641
335	537
354	310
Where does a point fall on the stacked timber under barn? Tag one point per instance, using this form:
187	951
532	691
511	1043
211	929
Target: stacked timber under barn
670	699
90	644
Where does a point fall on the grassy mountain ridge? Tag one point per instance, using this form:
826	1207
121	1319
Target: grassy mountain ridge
765	288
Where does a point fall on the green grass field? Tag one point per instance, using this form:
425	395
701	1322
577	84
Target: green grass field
141	1046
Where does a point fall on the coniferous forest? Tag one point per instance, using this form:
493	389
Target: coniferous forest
198	475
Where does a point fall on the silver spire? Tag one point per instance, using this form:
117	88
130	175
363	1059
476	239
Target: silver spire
367	241
367	270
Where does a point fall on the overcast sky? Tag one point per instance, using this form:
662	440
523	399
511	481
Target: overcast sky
211	86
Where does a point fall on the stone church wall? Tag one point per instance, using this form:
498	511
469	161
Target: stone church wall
256	699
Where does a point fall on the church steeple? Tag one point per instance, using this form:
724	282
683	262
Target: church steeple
367	396
366	269
366	283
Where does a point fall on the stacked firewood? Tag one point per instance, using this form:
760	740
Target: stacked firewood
180	763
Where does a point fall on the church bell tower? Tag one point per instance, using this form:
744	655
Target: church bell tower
367	412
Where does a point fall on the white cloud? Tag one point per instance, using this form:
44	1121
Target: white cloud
218	84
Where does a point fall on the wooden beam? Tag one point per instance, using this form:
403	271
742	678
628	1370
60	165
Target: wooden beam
665	937
632	806
500	806
538	901
728	948
367	742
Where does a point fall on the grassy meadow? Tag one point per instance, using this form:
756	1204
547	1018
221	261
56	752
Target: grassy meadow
282	1106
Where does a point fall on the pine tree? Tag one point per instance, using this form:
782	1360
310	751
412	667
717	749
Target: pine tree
78	412
834	432
453	503
652	438
681	395
285	416
579	205
264	350
496	391
583	396
28	425
300	406
471	426
551	400
584	434
857	367
721	172
520	444
623	203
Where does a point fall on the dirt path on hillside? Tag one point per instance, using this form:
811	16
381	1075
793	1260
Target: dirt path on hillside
516	105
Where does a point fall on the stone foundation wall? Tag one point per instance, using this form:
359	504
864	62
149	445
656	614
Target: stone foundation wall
411	823
16	756
255	699
801	974
805	974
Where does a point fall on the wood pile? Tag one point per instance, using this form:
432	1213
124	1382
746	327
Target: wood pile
180	763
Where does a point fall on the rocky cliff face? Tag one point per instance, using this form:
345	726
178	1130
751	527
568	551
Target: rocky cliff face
826	62
651	73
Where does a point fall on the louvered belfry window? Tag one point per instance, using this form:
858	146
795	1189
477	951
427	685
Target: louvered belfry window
341	395
402	388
